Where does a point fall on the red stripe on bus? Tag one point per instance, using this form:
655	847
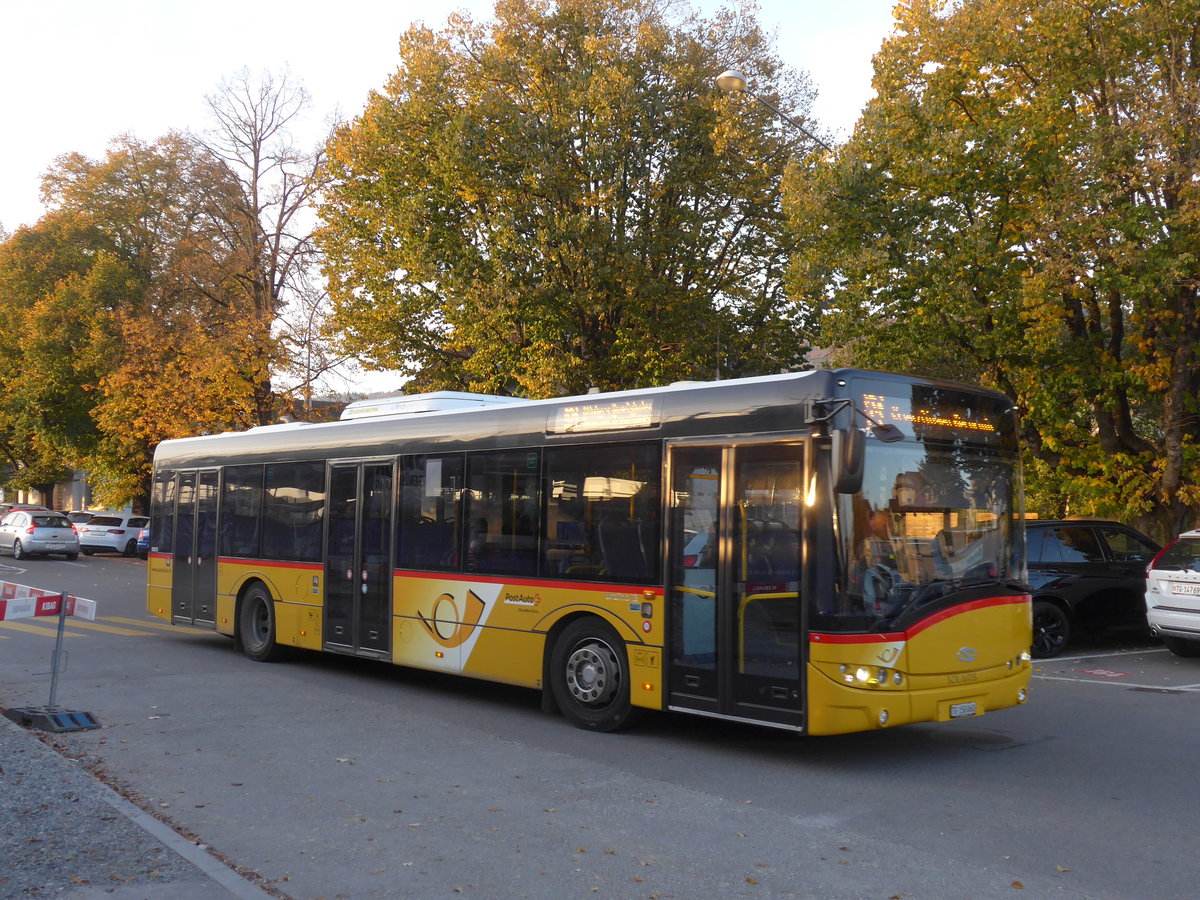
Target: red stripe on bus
987	602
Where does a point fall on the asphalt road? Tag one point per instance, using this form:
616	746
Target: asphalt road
333	777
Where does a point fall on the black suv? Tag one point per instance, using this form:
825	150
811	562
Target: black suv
1086	575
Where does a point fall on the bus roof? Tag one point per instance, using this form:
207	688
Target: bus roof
759	404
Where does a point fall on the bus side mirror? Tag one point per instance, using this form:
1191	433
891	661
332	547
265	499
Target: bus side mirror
847	457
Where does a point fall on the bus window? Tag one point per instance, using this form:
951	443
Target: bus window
163	513
430	511
602	513
293	504
502	512
241	504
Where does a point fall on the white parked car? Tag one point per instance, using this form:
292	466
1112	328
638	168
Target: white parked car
1173	594
111	532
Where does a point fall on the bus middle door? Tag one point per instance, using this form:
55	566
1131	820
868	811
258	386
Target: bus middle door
358	569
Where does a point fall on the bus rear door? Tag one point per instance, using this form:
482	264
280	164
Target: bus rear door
194	557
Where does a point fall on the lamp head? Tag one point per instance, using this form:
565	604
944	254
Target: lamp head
731	80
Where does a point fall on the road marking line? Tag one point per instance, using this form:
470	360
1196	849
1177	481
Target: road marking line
112	629
160	625
34	629
1112	682
1058	659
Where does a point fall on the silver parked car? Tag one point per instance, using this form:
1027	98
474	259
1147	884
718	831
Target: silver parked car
111	532
31	532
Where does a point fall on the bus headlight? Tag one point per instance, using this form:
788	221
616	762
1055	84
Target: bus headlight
1022	695
863	674
883	717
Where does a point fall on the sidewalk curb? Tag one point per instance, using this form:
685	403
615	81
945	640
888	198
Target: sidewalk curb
208	865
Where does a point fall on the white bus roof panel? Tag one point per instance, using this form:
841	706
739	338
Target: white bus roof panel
436	401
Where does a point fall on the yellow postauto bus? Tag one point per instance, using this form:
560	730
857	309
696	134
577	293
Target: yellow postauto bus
825	552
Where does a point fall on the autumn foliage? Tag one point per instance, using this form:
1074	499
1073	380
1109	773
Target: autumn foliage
1020	205
561	199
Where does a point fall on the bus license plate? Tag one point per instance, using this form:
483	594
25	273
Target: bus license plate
1179	588
962	710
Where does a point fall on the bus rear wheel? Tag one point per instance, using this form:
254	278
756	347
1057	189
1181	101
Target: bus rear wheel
589	675
256	625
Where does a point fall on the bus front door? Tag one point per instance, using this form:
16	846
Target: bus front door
358	569
194	558
733	577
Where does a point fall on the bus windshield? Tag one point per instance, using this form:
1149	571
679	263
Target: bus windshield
931	518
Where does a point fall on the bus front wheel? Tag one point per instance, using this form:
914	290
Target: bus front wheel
589	676
256	625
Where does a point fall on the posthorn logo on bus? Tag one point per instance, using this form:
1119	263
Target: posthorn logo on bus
967	654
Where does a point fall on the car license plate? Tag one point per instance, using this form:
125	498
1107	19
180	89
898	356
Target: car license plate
962	710
55	545
1185	588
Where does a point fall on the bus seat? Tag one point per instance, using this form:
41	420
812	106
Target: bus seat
621	548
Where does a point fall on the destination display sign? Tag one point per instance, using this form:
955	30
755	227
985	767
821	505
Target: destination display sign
604	415
933	412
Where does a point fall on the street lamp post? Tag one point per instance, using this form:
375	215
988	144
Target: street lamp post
734	82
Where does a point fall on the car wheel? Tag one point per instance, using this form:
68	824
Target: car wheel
130	548
256	625
19	551
1051	629
71	557
1182	646
589	676
88	552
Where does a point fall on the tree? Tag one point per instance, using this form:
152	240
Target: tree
267	219
561	200
1019	205
120	300
147	299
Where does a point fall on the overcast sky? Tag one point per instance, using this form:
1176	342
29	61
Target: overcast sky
76	73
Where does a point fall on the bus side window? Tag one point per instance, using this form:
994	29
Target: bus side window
241	505
430	512
162	529
293	511
602	513
503	503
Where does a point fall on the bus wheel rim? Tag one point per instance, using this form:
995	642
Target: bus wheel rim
260	622
591	673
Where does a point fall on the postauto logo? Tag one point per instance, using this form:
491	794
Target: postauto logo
449	625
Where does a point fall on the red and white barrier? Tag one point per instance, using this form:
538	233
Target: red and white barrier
19	601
